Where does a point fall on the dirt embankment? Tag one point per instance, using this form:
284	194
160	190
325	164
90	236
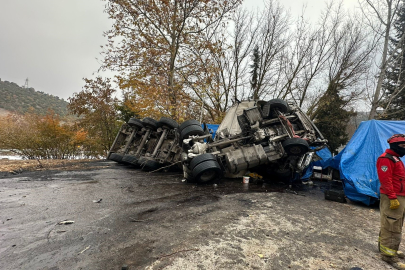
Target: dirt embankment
19	166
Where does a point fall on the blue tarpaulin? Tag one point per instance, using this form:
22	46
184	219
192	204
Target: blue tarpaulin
212	127
325	162
357	161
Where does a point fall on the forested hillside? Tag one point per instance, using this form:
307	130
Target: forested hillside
18	99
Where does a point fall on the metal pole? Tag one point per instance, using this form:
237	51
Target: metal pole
145	137
160	142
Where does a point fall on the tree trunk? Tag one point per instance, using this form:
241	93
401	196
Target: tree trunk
173	53
376	98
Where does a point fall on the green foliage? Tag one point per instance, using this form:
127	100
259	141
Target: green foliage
394	84
124	111
332	118
21	100
97	111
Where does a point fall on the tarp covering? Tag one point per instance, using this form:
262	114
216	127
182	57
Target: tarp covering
357	161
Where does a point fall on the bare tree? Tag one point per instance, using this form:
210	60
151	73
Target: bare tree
228	64
380	16
272	40
348	64
299	63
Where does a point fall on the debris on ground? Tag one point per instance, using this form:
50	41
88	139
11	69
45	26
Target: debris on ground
83	250
137	220
255	176
66	222
98	201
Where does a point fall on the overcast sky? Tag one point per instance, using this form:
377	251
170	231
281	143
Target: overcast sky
55	43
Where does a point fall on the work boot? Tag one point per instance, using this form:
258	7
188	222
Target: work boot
393	261
400	254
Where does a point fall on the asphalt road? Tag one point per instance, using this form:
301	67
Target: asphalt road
145	220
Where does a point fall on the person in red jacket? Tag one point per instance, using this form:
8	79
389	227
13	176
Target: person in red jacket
391	173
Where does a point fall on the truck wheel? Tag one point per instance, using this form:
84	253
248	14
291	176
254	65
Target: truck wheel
203	157
134	163
141	161
129	159
283	174
279	104
266	111
271	105
150	165
188	123
135	123
116	157
125	159
170	123
295	146
112	157
190	131
207	171
150	122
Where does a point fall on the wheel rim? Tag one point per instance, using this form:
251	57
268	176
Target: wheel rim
207	176
296	150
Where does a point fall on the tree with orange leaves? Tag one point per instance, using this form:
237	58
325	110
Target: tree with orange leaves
35	136
158	47
96	106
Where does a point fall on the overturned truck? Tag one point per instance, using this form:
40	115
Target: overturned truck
147	144
274	138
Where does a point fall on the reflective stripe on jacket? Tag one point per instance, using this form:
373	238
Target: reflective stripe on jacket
391	175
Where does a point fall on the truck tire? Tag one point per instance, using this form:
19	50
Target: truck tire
284	174
190	131
129	159
116	157
271	105
170	123
295	146
150	165
188	123
150	122
112	157
207	171
135	123
266	111
201	158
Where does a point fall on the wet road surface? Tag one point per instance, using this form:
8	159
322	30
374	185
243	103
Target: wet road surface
145	220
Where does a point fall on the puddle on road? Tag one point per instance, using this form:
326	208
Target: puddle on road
236	186
174	182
